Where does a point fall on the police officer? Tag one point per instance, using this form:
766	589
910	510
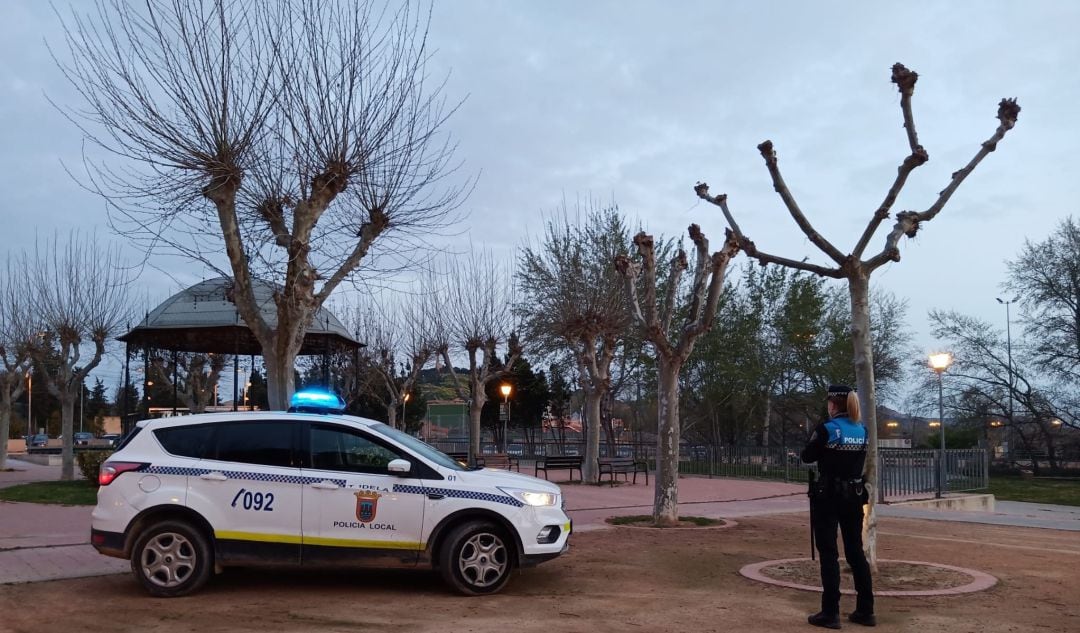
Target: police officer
839	448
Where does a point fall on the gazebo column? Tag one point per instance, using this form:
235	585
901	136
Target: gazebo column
174	377
127	384
146	378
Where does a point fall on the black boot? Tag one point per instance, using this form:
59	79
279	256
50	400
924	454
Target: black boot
824	620
862	617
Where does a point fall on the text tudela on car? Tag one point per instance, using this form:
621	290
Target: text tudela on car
185	497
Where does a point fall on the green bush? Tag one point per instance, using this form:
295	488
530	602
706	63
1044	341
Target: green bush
90	462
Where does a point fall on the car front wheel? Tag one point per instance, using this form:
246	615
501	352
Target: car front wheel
172	559
476	558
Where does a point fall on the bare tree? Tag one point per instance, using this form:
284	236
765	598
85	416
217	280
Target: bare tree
295	136
853	267
399	345
475	317
672	340
15	337
196	377
79	291
572	298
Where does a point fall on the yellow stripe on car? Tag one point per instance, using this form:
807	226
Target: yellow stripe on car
314	540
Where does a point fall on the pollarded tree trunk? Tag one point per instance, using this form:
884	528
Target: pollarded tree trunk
280	379
666	492
590	471
11	387
391	413
859	290
476	407
67	429
5	427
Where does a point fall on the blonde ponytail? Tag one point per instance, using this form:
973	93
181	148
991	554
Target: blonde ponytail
854	413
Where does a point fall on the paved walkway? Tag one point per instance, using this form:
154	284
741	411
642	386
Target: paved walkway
44	542
24	472
1014	513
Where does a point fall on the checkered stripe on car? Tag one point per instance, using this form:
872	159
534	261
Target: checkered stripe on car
246	476
459	494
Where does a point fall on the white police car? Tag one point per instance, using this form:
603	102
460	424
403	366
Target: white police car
182	497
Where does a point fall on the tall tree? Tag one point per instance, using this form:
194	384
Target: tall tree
79	289
1045	277
398	346
673	340
572	298
856	270
983	380
16	333
475	318
294	136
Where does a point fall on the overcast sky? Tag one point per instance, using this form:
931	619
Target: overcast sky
637	101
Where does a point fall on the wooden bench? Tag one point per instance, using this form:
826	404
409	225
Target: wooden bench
612	466
559	462
499	460
496	460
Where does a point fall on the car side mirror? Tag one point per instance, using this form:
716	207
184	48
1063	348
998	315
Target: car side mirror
399	467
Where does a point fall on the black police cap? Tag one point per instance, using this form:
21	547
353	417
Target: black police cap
839	390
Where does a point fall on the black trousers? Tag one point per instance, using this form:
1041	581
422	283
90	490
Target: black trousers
830	512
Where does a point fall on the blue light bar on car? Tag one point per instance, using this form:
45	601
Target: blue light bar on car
316	401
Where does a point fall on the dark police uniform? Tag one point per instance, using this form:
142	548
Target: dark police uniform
839	448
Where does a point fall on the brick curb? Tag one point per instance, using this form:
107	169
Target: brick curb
980	580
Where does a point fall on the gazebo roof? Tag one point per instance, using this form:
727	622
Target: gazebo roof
202	318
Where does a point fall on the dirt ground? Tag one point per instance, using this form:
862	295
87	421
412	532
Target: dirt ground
612	580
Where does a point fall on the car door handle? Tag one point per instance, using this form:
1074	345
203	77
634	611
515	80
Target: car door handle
214	476
435	496
325	485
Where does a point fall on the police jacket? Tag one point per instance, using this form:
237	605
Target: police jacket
839	448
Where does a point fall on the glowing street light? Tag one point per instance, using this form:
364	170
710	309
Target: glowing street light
404	399
506	388
940	363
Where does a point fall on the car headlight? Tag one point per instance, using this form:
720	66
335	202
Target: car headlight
532	497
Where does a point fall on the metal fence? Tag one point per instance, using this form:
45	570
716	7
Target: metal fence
921	473
902	473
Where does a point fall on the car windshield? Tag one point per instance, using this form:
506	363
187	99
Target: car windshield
418	446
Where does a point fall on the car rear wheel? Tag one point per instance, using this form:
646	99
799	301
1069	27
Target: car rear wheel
476	558
171	559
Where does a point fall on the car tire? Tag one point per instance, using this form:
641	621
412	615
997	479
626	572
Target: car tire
477	558
172	558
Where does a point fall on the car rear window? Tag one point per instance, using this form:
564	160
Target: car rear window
187	441
266	443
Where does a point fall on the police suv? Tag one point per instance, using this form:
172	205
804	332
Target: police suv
183	497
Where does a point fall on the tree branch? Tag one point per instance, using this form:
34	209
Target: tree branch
908	222
747	245
905	82
781	188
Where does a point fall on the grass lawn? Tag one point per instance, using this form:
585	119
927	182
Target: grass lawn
68	493
1058	491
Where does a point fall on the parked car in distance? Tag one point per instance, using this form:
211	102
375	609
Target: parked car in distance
112	438
83	439
39	440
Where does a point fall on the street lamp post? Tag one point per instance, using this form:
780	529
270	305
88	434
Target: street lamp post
404	400
940	363
1008	349
30	402
505	388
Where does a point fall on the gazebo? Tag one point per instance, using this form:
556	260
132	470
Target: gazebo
204	318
